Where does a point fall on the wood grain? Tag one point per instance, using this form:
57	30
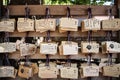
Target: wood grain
57	34
59	10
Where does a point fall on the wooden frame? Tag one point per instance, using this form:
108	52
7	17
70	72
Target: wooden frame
76	10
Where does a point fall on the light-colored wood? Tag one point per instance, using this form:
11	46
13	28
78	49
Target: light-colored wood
89	47
111	71
57	34
46	72
76	10
37	55
69	72
44	25
9	24
24	25
91	24
27	72
113	25
59	9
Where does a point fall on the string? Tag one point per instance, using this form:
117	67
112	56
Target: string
7	62
27	13
6	37
47	13
89	36
68	37
109	34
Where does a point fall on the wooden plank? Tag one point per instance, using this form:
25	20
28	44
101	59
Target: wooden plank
37	55
118	3
57	34
59	9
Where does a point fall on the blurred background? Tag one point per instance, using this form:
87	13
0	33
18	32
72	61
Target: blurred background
60	2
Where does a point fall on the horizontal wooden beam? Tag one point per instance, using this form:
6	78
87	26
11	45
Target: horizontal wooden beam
59	10
57	34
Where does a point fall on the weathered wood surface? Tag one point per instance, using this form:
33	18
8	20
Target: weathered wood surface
60	10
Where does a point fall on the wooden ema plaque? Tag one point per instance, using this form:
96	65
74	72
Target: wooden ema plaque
24	25
110	47
7	47
91	24
27	49
7	71
48	48
111	71
112	24
48	72
25	71
69	72
89	71
68	24
89	47
7	25
44	25
68	48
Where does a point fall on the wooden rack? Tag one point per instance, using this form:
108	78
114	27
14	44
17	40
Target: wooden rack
60	11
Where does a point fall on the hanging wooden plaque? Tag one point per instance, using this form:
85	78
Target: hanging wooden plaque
24	25
7	25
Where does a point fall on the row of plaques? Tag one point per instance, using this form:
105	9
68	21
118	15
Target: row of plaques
54	70
65	48
65	24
